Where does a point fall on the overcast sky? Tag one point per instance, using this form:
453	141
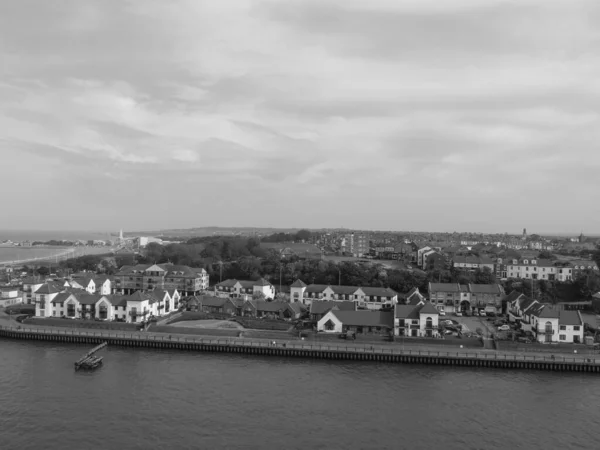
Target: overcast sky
380	114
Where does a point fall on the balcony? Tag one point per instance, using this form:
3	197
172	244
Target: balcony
544	331
431	327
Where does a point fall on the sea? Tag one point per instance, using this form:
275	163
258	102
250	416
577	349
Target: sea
13	253
149	399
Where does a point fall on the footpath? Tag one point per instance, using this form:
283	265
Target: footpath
381	348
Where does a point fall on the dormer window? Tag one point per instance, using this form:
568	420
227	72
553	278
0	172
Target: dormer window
533	261
525	261
514	261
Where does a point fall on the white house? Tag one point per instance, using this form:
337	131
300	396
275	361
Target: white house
30	285
421	320
544	323
374	298
10	296
244	289
43	297
570	327
361	322
420	254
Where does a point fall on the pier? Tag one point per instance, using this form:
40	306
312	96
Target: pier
89	361
302	349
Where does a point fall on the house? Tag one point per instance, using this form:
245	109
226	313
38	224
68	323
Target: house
86	284
570	327
536	269
516	306
544	323
319	308
366	297
146	277
30	285
449	297
413	297
582	266
420	320
420	253
43	297
486	296
9	296
245	289
360	322
279	310
471	263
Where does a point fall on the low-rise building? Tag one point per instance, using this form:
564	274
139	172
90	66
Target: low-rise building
486	296
420	320
366	297
472	263
147	277
244	289
360	322
319	308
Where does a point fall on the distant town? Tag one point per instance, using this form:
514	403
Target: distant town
520	289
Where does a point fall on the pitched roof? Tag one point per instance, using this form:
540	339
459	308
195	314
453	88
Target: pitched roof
525	303
366	318
569	318
316	288
227	283
379	291
513	296
485	288
444	287
427	308
297	307
298	283
321	306
88	299
262	282
406	312
49	288
61	298
117	300
345	290
138	296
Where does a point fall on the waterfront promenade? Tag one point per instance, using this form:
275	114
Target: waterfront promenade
417	354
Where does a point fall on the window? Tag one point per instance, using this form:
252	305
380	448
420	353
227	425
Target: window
563	328
576	328
563	337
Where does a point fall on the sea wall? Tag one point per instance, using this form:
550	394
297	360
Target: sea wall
298	349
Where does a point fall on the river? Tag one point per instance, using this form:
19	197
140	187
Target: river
148	399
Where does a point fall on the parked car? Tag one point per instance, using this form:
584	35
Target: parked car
482	313
458	313
442	312
503	328
524	340
475	313
467	313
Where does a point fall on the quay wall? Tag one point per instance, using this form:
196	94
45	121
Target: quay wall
299	349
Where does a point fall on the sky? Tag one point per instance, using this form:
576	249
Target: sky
454	115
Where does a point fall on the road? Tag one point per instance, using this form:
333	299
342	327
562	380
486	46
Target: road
406	348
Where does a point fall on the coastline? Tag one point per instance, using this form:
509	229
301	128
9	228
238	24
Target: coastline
311	350
53	253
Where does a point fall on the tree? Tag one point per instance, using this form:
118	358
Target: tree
258	296
484	276
545	254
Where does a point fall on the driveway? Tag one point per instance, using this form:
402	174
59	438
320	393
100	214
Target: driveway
473	322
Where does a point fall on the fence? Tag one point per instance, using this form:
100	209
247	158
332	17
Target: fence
300	345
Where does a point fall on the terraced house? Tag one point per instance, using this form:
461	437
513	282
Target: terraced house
79	304
374	298
147	277
454	297
245	289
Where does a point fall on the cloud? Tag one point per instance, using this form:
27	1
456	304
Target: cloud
328	109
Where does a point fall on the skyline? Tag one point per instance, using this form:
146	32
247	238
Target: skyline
464	115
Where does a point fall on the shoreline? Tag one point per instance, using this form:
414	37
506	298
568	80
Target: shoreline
312	350
61	253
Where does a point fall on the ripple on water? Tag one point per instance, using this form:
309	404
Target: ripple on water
159	399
